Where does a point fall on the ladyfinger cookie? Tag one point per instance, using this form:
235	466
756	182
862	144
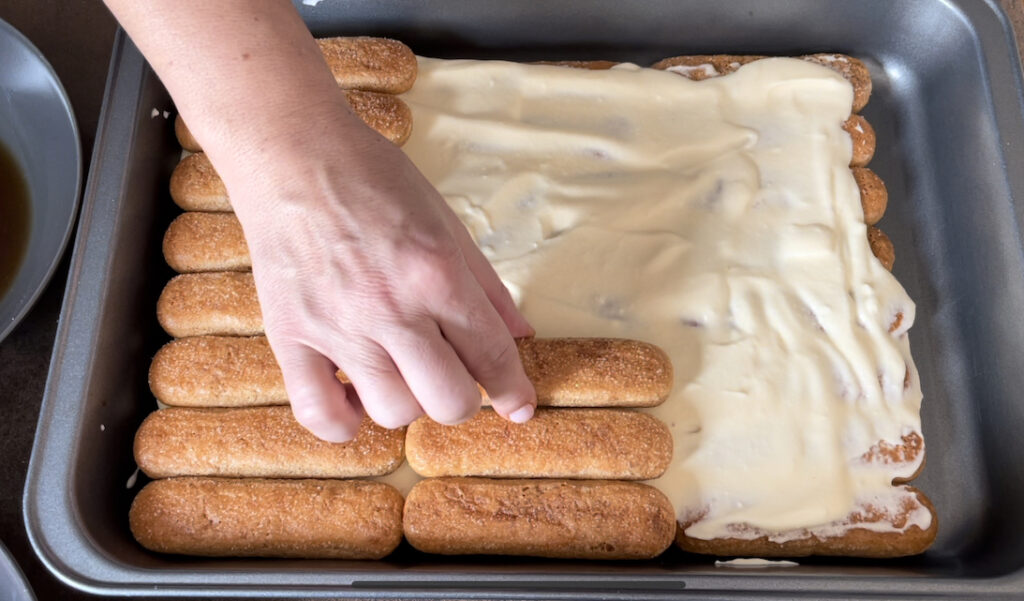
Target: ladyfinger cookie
373	64
596	372
704	66
217	371
235	371
867	532
197	241
388	115
197	304
582	519
616	444
184	135
874	198
195	185
337	519
882	247
852	69
258	442
905	459
862	135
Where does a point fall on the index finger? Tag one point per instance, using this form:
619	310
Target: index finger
485	346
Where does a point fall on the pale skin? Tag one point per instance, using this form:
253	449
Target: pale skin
358	261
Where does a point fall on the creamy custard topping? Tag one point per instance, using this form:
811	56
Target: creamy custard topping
719	220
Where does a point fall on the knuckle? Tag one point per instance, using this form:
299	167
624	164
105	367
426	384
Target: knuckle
409	333
451	413
495	359
431	268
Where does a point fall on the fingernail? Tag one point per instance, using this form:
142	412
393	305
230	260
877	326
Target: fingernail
521	415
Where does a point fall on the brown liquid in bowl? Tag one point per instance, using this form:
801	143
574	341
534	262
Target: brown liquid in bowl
14	219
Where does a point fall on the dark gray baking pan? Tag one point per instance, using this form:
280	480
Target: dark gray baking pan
948	109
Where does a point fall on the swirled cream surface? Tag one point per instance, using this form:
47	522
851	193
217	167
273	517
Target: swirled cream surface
719	220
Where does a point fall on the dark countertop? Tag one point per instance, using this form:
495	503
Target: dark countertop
76	36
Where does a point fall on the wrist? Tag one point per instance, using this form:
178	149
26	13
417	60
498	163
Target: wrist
287	143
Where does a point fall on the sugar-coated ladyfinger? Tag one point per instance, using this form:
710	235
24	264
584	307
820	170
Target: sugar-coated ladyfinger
237	371
184	135
582	519
219	303
616	444
882	247
596	372
374	64
258	442
224	517
197	241
387	114
874	198
862	135
196	186
217	371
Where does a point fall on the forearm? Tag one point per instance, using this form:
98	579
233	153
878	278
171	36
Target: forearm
359	263
246	75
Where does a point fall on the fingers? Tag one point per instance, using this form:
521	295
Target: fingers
318	400
435	373
382	390
492	285
483	343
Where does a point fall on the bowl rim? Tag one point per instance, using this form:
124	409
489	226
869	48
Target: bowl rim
6	29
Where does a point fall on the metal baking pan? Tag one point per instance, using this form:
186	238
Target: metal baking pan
948	109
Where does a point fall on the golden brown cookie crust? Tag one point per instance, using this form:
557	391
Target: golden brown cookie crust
862	135
238	370
197	241
217	371
372	64
874	197
882	247
258	442
222	517
557	443
583	519
220	303
196	186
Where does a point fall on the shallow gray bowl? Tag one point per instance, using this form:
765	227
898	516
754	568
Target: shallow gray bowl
38	127
13	585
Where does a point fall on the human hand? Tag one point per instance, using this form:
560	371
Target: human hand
359	263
